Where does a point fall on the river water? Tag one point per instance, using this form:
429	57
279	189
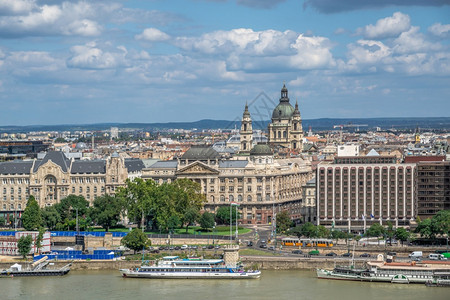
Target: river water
272	285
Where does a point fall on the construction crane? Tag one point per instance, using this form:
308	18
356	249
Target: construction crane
342	126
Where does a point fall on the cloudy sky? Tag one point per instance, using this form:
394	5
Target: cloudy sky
98	61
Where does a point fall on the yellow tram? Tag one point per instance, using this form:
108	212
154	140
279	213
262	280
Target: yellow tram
295	242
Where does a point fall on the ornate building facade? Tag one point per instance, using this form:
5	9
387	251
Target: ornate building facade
260	184
54	177
285	131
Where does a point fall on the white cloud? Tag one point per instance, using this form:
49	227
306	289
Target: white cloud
368	52
153	35
16	7
90	56
312	52
387	27
413	41
440	30
65	19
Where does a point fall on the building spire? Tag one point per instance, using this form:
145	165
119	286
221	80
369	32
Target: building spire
284	94
296	110
246	112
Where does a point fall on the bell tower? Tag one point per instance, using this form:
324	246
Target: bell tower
246	132
296	130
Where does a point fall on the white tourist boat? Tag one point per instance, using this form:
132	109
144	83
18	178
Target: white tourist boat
174	267
388	272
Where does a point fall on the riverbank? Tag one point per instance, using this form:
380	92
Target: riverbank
260	262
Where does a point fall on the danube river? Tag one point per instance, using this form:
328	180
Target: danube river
286	285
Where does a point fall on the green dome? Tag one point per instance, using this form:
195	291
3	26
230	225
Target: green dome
284	110
261	149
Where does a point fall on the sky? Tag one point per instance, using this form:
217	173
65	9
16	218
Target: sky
97	61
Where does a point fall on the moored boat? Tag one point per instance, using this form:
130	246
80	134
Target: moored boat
41	267
380	271
174	267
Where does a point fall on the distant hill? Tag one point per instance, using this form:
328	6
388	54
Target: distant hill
316	124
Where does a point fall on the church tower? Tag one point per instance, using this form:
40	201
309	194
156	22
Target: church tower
296	130
246	132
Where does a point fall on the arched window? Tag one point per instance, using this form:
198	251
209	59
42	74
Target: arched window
231	198
240	198
222	198
284	133
212	198
279	134
295	126
249	198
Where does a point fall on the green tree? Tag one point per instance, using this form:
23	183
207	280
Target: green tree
322	232
139	199
106	211
39	239
191	216
283	221
2	221
31	217
173	222
426	229
376	230
308	230
24	245
50	217
402	234
223	215
390	232
135	240
442	222
69	205
207	220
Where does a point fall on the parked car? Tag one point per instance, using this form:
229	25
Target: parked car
154	250
314	252
435	256
217	247
331	254
263	246
365	255
210	247
416	255
297	251
348	254
250	244
271	248
184	247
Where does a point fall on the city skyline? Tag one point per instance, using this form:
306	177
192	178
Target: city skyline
84	62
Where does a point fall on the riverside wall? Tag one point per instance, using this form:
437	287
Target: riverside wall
260	262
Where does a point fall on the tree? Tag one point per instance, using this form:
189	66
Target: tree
207	220
106	211
24	245
2	221
376	230
223	215
191	216
390	232
442	222
426	228
39	239
68	207
283	221
139	199
135	240
173	222
402	235
31	217
50	217
322	232
308	230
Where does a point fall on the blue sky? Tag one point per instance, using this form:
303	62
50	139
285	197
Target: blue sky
98	61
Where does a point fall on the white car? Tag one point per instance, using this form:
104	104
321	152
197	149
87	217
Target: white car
184	247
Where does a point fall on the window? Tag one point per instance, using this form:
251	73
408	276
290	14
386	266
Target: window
249	198
231	197
88	190
81	190
12	190
73	190
249	188
95	189
4	190
19	190
239	198
222	198
231	189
